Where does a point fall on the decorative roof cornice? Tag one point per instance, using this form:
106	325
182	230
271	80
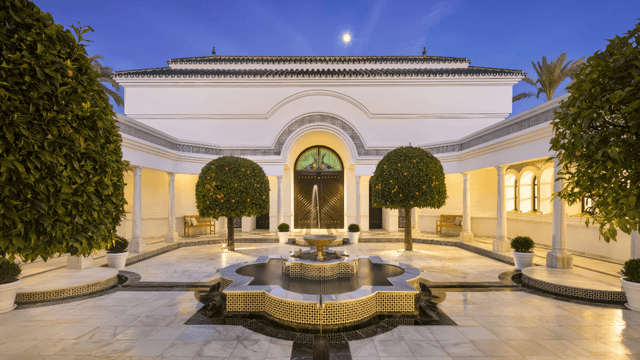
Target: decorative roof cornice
166	72
229	60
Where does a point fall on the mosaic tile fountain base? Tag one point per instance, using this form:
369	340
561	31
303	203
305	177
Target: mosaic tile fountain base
310	309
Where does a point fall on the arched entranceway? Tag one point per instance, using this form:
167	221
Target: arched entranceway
318	189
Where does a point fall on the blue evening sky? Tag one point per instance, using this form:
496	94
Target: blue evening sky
137	34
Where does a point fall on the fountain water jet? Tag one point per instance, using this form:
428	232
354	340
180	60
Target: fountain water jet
315	205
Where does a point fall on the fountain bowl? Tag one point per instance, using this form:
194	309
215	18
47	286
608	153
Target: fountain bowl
319	242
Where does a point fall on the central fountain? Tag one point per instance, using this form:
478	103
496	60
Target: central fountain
320	289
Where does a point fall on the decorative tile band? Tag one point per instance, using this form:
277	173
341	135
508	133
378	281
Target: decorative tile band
58	294
321	271
601	296
361	149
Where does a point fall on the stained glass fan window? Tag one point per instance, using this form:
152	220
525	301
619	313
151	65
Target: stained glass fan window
319	159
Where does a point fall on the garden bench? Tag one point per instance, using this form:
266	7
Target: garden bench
448	221
199	221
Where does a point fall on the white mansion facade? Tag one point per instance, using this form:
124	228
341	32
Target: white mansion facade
349	112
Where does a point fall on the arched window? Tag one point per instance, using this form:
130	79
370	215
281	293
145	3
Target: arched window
319	159
526	191
546	190
534	201
510	192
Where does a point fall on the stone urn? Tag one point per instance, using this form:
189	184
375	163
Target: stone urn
8	296
523	259
117	261
632	290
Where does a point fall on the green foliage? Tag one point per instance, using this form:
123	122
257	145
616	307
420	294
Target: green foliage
232	187
354	228
522	244
632	270
119	245
61	167
597	132
550	76
9	271
408	177
284	227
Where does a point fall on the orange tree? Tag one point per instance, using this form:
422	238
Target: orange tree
231	186
405	178
61	167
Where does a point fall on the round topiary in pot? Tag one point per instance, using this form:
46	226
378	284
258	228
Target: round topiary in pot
9	282
631	283
117	253
120	245
354	233
522	244
522	251
283	233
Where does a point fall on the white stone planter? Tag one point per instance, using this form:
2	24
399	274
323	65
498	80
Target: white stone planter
353	237
8	296
522	260
283	237
632	290
117	260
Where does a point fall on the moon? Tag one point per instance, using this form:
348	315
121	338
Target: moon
346	38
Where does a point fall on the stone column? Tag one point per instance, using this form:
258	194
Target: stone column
466	234
415	230
635	245
137	244
501	243
559	257
280	220
172	235
358	200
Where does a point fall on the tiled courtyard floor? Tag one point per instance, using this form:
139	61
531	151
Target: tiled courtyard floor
492	324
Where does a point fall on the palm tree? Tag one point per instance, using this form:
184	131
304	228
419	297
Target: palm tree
550	76
106	76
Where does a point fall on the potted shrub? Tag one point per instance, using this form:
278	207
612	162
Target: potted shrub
522	251
9	282
354	233
631	283
283	233
117	253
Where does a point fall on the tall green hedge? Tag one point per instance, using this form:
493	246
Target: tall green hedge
232	186
61	167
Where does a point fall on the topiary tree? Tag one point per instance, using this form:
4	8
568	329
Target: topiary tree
232	187
408	177
61	167
597	132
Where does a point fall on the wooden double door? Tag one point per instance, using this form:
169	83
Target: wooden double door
327	211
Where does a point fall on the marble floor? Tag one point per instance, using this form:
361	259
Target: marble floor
494	323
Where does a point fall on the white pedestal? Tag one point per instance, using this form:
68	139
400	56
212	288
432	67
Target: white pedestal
559	260
137	246
171	237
